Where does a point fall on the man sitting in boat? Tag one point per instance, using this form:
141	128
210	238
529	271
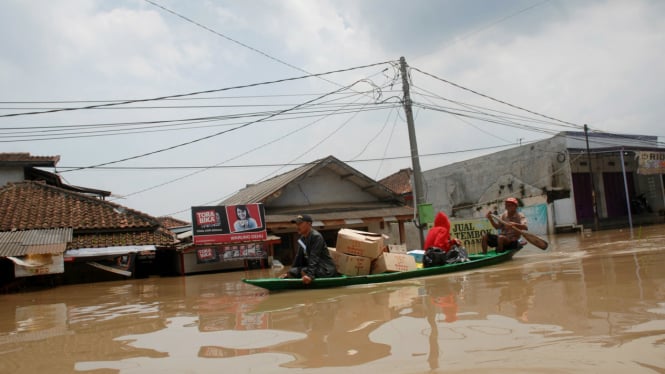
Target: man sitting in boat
508	238
313	259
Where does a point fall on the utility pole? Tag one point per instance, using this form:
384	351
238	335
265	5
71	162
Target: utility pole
415	160
593	188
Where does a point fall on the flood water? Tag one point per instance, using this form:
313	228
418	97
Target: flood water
588	304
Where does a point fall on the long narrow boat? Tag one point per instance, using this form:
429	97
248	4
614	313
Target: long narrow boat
476	261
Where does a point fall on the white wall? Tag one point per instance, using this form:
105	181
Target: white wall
11	174
324	188
477	185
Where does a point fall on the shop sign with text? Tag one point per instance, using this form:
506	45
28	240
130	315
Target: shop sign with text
228	223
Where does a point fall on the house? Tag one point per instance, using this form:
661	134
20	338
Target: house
175	225
565	186
400	183
69	232
335	195
22	166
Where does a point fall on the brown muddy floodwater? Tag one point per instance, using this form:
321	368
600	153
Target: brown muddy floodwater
589	304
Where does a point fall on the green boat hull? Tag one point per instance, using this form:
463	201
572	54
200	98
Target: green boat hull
476	261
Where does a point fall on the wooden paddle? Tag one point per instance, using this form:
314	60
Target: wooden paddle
531	238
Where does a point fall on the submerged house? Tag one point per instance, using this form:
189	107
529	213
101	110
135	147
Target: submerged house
617	183
69	233
336	196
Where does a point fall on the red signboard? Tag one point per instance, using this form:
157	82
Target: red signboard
228	224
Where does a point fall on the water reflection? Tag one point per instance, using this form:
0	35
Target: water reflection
595	300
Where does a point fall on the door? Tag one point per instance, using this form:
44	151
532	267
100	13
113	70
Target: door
583	198
615	193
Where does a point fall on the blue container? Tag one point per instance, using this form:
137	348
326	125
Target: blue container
418	254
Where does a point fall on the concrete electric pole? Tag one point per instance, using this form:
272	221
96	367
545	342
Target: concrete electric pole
415	160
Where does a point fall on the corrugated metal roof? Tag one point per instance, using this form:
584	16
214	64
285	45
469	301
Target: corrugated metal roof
21	243
259	192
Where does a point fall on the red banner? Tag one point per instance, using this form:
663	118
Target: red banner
228	224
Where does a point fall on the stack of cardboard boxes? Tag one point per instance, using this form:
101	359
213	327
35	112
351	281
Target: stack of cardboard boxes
362	253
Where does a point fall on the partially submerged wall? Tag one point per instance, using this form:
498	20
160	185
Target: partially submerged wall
530	172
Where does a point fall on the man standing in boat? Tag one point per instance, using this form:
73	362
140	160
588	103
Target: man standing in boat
313	258
508	238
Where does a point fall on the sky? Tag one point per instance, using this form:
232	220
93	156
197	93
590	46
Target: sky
171	104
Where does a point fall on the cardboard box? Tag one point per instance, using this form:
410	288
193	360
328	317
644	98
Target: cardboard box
391	262
349	264
360	243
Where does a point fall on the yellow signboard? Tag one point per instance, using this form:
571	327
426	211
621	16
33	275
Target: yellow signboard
470	232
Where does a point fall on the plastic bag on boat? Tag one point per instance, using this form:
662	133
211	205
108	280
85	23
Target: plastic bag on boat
457	254
434	257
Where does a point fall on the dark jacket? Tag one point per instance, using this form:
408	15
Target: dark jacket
314	260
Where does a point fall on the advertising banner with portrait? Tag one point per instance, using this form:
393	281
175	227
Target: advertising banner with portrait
228	224
651	163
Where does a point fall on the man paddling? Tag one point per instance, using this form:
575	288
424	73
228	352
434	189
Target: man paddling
508	238
313	258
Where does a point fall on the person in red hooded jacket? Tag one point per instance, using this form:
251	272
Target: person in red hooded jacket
439	235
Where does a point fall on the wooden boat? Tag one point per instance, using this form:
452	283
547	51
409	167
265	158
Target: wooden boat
476	261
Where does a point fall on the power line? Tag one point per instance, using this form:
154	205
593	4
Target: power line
213	135
390	138
378	133
366	80
494	99
296	164
183	126
172	99
497	121
329	103
508	120
494	23
229	159
468	122
192	93
484	110
224	36
236	41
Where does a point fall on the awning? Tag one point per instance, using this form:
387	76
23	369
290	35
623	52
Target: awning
107	251
33	242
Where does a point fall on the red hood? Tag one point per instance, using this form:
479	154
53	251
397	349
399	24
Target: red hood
441	220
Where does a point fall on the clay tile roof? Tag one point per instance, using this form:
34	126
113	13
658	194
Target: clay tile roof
170	222
160	237
34	205
24	158
399	182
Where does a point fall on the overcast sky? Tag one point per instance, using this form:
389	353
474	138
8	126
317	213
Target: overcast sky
577	62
